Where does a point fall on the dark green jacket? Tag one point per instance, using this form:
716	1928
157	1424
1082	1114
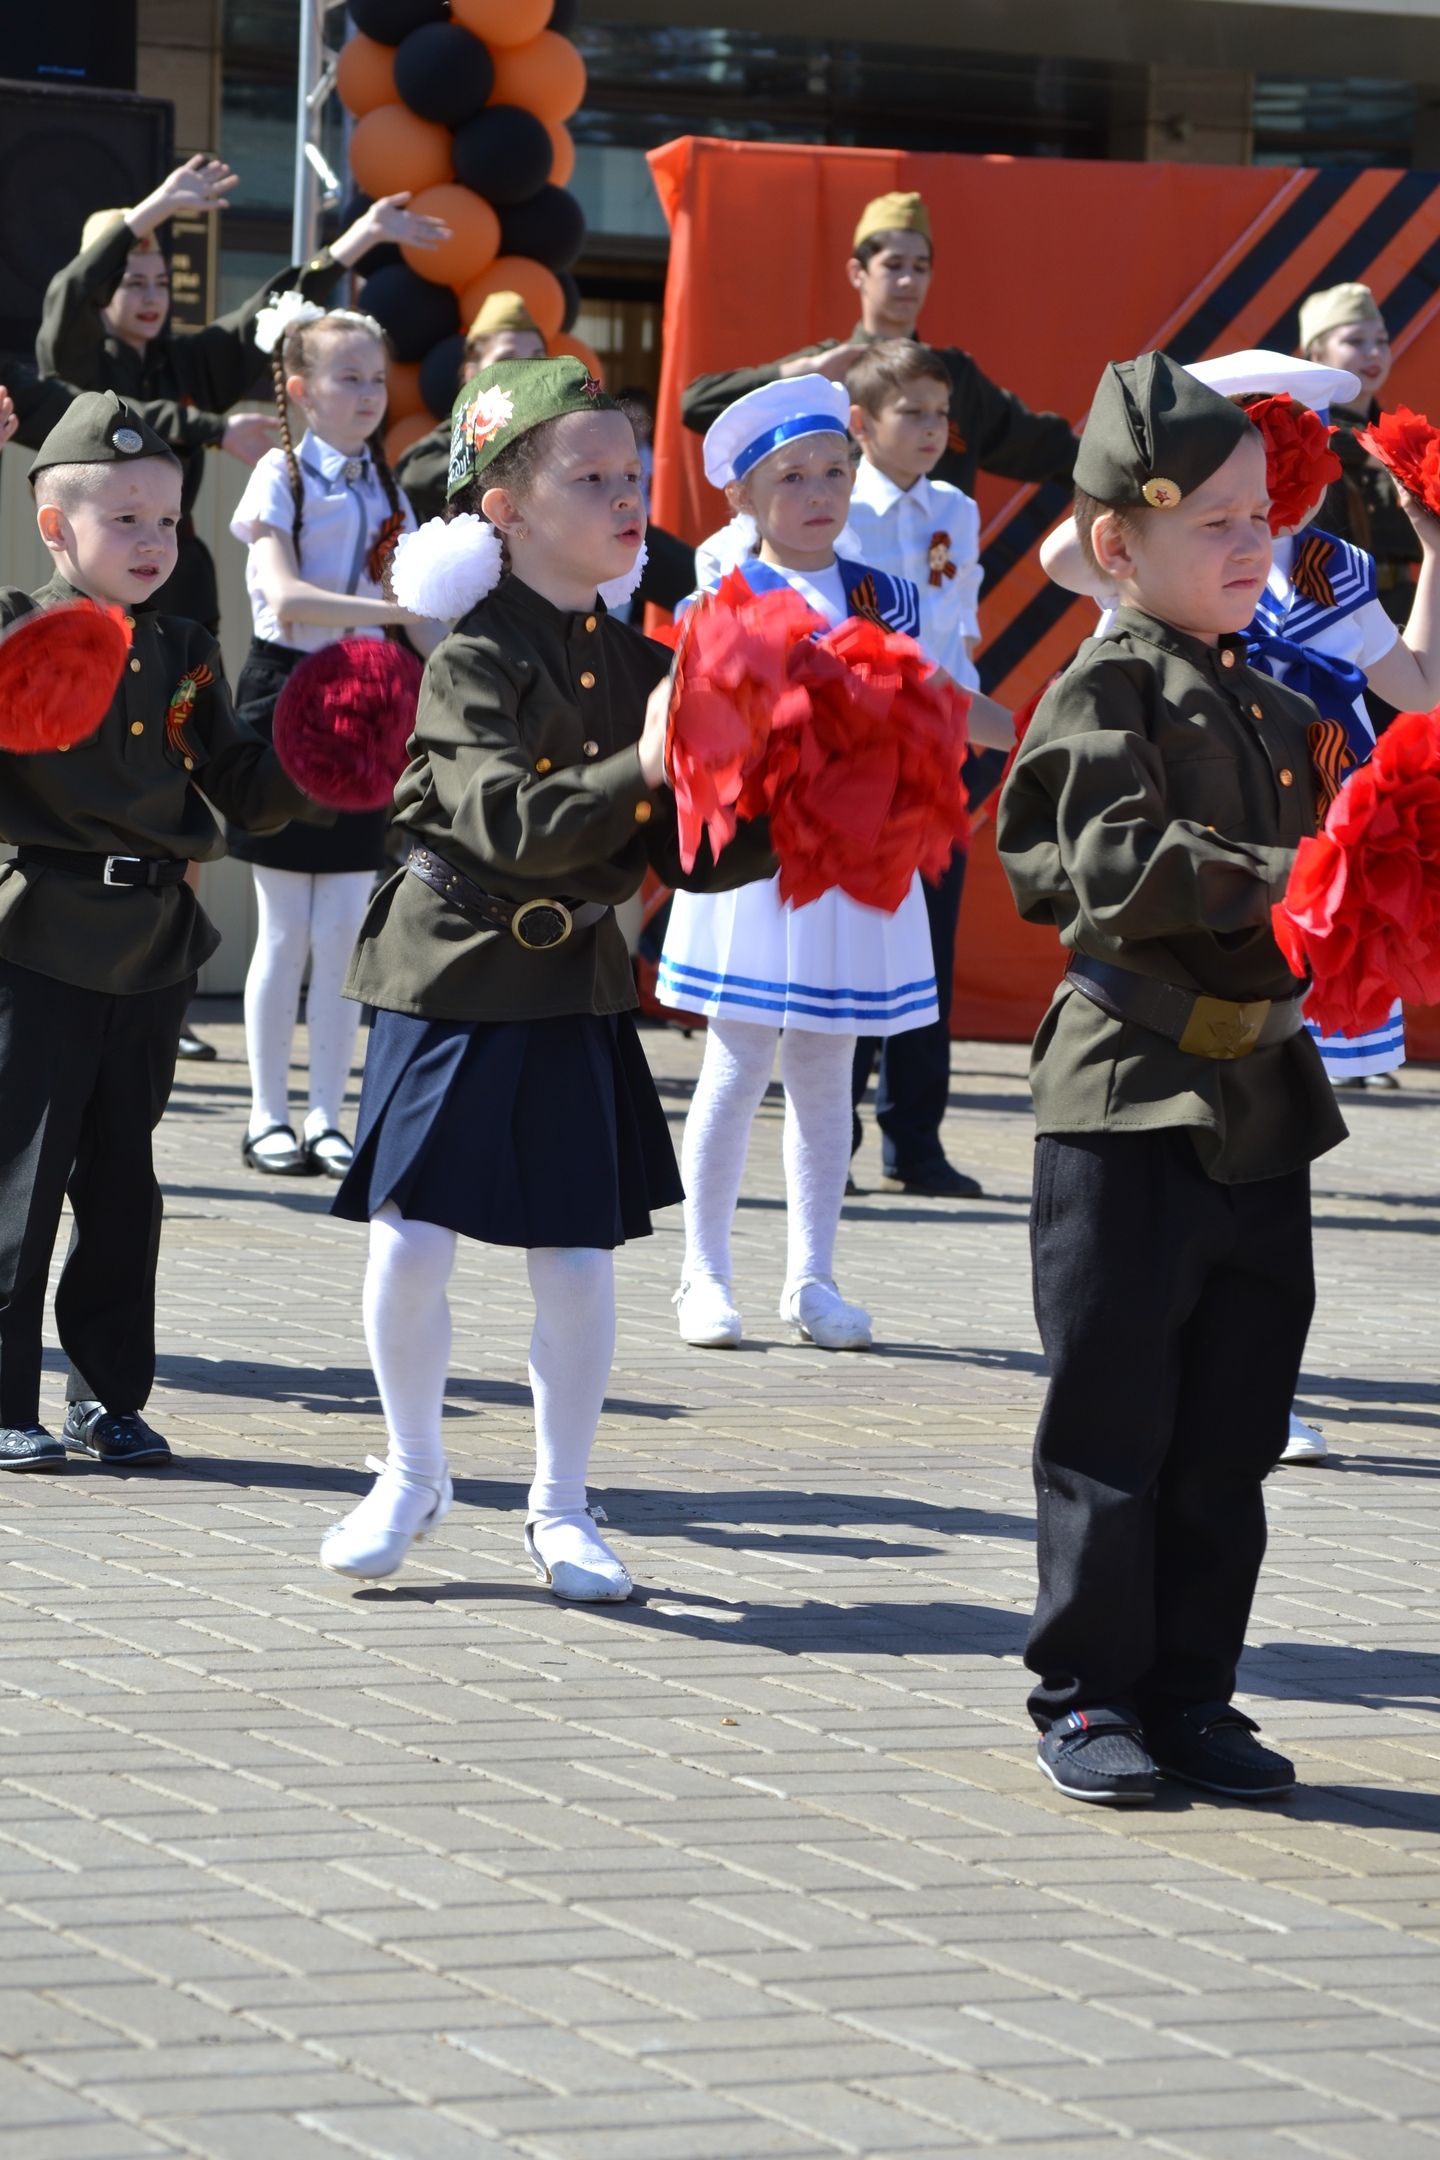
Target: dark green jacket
40	400
129	790
1363	506
524	775
1152	815
991	430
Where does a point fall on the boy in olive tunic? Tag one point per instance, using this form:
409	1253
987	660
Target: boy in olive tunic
1152	816
100	939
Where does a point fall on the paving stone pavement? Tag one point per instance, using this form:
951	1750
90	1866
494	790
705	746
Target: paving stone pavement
759	1864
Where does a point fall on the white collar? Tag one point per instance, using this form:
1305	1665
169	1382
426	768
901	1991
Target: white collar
323	461
878	492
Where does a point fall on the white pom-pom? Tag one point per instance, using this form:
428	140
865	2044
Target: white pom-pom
444	568
282	313
618	592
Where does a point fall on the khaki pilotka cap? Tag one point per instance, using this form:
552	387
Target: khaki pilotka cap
1321	312
892	213
98	428
99	226
503	311
1154	434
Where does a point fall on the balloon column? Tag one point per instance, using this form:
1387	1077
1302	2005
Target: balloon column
465	105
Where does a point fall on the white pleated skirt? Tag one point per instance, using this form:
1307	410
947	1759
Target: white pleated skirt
832	967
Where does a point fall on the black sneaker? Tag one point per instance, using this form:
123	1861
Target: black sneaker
194	1046
1098	1755
936	1181
29	1447
121	1438
1213	1746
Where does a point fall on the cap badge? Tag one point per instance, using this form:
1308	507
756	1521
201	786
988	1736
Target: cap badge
491	411
592	387
1161	494
128	440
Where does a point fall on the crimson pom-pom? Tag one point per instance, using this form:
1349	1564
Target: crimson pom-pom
343	719
731	683
864	789
59	671
1408	446
1361	912
1299	462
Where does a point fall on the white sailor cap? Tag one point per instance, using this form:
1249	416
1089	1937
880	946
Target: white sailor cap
1273	374
776	413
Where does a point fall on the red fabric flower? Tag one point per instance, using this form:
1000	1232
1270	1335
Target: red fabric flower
1299	463
343	719
1361	912
1408	446
59	671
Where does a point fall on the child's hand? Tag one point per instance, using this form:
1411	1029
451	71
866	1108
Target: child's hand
388	220
201	183
652	739
248	435
9	420
1425	522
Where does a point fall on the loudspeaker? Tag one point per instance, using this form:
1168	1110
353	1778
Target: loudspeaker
64	153
84	41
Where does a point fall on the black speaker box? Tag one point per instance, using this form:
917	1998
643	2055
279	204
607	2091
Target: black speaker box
90	42
64	153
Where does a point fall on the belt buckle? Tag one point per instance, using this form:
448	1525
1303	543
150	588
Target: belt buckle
542	915
1220	1028
110	863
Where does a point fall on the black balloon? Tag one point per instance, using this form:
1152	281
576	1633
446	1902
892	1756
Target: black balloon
443	73
504	154
550	228
440	375
564	16
389	21
415	313
572	299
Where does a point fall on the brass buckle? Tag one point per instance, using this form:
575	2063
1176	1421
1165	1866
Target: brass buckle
1218	1028
561	924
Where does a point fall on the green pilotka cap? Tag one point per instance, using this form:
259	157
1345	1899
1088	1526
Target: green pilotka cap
98	428
504	401
1155	434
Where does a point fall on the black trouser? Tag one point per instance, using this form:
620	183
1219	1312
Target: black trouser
84	1078
914	1085
1173	1311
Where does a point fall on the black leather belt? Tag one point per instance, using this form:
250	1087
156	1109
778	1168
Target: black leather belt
536	924
1208	1027
109	869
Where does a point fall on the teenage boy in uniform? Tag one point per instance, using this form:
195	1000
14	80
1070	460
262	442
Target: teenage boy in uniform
1152	816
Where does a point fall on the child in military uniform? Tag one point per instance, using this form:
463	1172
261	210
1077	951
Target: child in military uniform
100	938
1152	815
506	1097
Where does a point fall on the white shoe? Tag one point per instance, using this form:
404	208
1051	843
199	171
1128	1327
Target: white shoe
399	1510
1304	1445
569	1554
823	1317
706	1313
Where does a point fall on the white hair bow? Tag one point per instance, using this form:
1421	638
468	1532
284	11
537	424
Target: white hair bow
282	313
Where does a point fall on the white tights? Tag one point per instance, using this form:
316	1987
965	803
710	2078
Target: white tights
572	1347
734	1074
314	915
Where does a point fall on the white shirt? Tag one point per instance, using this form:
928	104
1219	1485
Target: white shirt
725	550
929	533
345	508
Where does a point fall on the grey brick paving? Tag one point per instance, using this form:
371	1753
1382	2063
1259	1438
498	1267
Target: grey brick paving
760	1864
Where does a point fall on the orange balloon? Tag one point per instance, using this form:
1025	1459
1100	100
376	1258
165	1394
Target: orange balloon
365	74
474	235
392	148
503	22
546	77
538	287
402	390
402	433
563	168
576	349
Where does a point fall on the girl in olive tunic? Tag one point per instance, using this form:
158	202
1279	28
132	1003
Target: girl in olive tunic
506	1097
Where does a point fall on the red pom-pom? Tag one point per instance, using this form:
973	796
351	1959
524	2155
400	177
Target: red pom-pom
343	719
1407	446
59	671
1299	463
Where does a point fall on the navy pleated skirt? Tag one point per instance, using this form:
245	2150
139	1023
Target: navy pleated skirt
513	1132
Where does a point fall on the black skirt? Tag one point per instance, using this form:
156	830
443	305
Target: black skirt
356	840
513	1132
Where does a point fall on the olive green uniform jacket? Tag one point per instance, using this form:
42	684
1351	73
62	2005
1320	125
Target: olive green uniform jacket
1152	815
991	430
134	787
524	775
1363	506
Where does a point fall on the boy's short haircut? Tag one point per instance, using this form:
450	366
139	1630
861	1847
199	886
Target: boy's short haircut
66	485
1126	515
889	367
876	243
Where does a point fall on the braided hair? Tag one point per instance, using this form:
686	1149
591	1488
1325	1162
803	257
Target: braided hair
291	344
292	355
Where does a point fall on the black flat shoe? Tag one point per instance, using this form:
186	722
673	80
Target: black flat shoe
29	1447
936	1181
195	1046
1098	1755
330	1164
294	1161
1214	1746
120	1438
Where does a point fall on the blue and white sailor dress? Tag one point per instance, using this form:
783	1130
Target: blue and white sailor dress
832	967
